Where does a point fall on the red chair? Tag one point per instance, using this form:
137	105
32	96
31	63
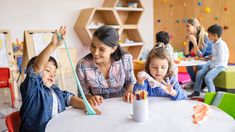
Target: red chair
200	99
13	122
5	83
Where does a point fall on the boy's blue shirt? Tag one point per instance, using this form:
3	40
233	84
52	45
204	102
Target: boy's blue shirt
158	92
37	102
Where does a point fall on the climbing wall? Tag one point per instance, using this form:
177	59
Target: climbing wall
171	16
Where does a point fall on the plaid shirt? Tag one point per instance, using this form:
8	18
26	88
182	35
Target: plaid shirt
93	82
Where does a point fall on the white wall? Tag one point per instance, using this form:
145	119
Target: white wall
146	26
20	15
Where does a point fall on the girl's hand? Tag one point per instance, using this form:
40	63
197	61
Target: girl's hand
140	80
168	87
96	100
128	96
141	77
55	39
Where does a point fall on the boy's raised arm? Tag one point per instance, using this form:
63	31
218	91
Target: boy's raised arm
43	57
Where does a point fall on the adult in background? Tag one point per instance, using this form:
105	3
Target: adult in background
197	44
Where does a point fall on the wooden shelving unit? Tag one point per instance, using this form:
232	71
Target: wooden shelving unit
123	15
89	19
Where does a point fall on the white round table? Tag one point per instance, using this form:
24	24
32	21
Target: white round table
165	116
191	63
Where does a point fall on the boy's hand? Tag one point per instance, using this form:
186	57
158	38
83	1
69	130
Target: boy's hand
206	58
128	96
95	100
97	111
56	41
168	87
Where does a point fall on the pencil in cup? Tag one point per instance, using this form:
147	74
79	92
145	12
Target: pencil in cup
141	95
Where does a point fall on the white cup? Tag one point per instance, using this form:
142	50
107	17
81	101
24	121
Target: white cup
140	110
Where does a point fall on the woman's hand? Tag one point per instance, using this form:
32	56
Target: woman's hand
96	100
128	96
168	87
56	41
193	39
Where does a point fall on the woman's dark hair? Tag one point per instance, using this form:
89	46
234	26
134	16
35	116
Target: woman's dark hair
215	29
163	37
32	60
161	53
109	36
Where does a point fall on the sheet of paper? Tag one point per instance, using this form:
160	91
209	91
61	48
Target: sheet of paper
41	40
3	51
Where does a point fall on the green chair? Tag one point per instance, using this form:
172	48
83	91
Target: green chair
225	80
224	101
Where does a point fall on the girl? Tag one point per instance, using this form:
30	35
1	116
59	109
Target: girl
159	67
107	71
197	44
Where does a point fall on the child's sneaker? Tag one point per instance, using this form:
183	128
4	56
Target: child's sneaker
195	93
205	90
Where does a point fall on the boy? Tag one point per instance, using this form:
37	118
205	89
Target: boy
163	39
218	63
41	98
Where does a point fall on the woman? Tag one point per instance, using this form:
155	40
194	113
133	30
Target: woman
107	71
197	44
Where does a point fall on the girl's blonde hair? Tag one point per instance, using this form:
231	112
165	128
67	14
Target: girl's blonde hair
201	33
161	53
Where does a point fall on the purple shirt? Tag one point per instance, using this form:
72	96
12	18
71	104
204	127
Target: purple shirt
93	82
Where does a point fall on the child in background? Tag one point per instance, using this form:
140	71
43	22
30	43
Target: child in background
159	67
41	98
162	40
219	62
